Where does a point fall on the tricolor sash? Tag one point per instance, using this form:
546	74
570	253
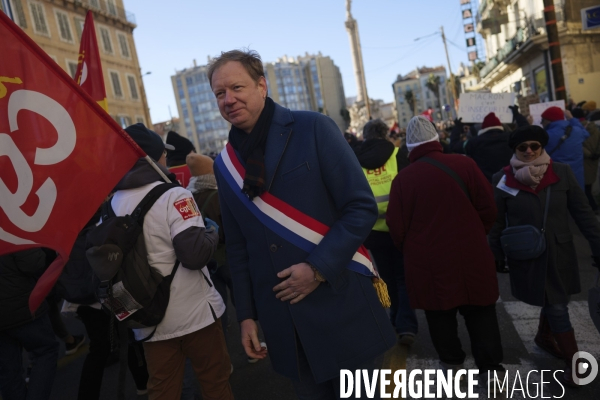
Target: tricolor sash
300	229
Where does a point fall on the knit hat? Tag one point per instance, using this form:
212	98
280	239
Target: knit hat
553	114
490	120
199	164
148	140
578	113
375	129
420	131
589	106
182	147
528	133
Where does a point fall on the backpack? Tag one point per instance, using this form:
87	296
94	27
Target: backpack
132	290
77	282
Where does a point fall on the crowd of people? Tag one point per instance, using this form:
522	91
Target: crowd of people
281	224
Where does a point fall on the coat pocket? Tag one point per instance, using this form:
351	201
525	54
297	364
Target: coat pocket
296	172
566	257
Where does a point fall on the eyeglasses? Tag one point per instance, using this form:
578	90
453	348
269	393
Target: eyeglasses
533	146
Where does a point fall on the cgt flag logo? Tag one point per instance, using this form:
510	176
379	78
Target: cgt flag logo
60	154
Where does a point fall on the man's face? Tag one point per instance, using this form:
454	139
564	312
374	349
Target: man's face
240	99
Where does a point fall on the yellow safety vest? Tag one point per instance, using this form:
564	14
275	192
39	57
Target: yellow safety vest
380	180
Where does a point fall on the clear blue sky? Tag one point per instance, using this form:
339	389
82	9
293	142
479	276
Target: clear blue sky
170	35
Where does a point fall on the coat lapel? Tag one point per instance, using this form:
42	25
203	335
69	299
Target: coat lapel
279	135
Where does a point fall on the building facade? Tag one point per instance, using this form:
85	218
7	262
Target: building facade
415	82
310	82
516	45
56	26
200	119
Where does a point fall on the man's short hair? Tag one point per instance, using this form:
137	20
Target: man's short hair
375	129
250	59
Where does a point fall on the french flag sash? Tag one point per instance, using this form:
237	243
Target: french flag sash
284	220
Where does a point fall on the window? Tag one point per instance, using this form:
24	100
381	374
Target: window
19	14
72	68
106	43
123	44
132	87
124	121
140	120
116	84
38	16
95	3
112	9
79	22
64	28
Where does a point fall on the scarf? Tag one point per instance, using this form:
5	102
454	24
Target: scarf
251	147
202	182
530	173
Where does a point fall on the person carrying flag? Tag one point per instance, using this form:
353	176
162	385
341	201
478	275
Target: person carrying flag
296	208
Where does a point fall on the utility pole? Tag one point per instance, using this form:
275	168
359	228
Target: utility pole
560	92
452	86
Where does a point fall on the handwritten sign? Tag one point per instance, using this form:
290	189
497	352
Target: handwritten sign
536	110
475	106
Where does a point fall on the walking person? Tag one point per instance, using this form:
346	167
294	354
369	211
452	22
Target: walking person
19	329
381	161
449	266
296	208
534	190
591	155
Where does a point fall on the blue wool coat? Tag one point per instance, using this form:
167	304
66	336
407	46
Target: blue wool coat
571	151
341	324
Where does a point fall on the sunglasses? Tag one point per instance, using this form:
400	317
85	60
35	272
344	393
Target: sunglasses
533	146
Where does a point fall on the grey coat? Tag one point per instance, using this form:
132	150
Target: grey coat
555	274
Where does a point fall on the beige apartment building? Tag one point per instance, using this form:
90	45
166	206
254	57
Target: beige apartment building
56	26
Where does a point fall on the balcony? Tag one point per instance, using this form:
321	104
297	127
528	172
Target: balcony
108	9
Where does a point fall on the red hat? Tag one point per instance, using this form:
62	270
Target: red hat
490	120
553	114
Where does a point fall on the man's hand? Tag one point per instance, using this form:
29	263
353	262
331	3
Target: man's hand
300	283
568	114
250	340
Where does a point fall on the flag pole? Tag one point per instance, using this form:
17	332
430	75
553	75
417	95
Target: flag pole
157	168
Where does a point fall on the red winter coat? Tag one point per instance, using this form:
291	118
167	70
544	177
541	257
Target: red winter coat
448	262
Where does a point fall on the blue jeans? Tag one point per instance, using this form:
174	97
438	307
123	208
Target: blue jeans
37	337
390	264
558	317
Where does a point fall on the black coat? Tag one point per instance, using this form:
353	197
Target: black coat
555	274
490	151
18	274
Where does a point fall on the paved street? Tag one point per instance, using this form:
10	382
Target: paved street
518	323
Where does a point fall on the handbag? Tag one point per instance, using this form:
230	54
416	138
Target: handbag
525	242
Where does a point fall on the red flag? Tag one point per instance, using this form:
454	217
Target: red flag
395	128
60	154
89	68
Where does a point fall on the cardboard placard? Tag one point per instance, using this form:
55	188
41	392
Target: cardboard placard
475	106
536	110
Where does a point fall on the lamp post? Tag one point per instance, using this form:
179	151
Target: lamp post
144	102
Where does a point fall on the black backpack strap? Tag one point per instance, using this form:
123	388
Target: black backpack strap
449	171
148	201
563	138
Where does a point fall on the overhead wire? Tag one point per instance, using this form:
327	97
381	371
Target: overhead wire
420	45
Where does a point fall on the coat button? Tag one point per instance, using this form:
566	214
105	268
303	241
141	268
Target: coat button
273	248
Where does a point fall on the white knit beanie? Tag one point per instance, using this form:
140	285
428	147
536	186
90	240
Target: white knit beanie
419	131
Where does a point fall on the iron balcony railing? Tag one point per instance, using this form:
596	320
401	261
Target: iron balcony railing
109	8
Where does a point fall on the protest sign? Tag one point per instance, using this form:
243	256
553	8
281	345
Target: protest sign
536	110
475	106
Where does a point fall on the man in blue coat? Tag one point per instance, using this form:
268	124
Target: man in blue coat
566	140
285	177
